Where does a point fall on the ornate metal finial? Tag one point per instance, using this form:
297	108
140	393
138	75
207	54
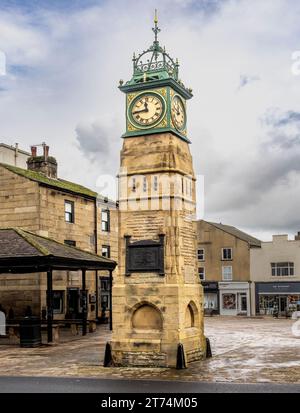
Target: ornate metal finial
156	29
154	61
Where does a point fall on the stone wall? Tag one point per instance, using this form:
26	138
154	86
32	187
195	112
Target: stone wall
158	155
40	209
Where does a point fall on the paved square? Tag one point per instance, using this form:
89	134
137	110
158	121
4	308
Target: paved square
245	350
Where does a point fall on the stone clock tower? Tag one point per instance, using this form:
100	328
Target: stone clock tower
157	295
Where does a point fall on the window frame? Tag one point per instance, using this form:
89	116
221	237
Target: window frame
203	254
105	224
61	310
70	242
277	269
108	251
231	254
201	268
223	273
70	214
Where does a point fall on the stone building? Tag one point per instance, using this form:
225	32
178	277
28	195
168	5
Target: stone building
13	155
157	296
275	276
36	200
223	254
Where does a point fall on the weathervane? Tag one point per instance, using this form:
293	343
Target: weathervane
156	29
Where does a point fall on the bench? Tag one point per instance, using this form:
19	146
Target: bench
13	332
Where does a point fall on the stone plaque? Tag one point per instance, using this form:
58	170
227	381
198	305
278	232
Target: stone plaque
145	256
189	274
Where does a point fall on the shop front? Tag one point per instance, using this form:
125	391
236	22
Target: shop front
211	297
280	298
234	298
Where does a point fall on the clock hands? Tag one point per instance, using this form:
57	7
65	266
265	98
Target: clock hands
142	110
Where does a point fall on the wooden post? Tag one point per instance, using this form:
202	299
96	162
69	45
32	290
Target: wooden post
49	305
84	303
110	300
97	296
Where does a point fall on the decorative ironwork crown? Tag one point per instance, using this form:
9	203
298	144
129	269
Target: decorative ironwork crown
155	60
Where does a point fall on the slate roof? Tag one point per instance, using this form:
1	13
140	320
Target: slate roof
252	241
17	244
50	182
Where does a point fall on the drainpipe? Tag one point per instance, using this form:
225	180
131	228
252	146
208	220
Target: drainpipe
96	252
250	301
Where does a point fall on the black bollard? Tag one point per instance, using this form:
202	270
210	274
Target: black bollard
180	358
108	361
208	349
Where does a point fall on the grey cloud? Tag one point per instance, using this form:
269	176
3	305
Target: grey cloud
94	141
274	118
260	187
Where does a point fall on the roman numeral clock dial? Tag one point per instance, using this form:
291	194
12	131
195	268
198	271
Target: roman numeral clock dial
147	110
178	113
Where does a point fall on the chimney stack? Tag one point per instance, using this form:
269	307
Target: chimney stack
44	164
33	150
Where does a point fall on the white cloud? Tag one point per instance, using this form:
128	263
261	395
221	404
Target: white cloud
62	88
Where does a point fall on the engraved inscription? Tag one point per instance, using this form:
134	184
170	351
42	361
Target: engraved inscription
144	258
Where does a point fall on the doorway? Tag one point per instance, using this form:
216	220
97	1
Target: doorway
243	307
73	303
282	305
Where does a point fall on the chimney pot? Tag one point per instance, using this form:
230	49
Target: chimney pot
33	150
46	151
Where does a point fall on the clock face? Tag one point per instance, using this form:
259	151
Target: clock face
178	113
147	110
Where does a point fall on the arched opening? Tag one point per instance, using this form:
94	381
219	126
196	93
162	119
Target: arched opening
189	317
147	317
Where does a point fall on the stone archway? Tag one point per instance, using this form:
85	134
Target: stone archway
147	317
191	315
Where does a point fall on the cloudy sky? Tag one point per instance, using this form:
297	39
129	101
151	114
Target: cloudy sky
64	61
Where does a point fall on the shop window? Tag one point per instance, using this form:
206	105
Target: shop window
58	302
69	212
226	253
106	251
201	272
105	220
282	269
229	301
211	301
201	254
227	273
